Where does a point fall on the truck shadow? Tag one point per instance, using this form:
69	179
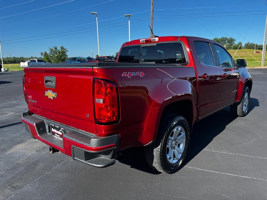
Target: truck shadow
13	124
4	82
207	129
203	134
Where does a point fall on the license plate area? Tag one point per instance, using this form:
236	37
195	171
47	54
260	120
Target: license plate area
56	131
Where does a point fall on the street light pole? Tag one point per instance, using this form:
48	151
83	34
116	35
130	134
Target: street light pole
2	62
129	25
95	13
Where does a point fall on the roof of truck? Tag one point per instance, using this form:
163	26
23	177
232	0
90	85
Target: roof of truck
157	39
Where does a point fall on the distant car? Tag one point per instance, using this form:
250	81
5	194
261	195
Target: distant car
28	62
76	60
106	59
91	60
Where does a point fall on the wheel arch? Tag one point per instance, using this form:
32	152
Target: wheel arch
245	79
248	84
182	107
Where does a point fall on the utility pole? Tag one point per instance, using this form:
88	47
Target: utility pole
264	45
2	62
151	18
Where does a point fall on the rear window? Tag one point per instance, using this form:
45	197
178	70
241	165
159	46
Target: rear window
156	53
130	54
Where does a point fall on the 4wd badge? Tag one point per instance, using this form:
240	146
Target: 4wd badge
50	94
132	74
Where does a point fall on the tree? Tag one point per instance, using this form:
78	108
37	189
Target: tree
238	45
228	43
46	57
259	46
55	55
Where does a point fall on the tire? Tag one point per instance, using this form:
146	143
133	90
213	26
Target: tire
168	155
241	109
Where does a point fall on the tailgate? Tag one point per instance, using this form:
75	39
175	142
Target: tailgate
64	95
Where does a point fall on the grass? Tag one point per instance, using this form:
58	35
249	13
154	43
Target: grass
253	59
13	67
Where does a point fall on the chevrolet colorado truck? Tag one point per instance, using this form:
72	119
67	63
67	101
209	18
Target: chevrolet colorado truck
151	97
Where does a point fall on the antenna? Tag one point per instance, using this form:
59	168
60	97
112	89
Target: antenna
151	31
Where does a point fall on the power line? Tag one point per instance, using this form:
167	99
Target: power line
37	9
57	35
242	13
18	4
63	33
58	13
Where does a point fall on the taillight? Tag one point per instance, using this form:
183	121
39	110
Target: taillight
105	101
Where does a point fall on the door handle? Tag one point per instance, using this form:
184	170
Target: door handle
50	81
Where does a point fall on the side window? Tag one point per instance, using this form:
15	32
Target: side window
204	53
225	60
130	54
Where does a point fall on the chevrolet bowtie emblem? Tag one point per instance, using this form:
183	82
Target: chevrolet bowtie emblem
50	94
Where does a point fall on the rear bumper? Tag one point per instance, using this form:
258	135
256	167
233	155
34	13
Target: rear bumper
80	145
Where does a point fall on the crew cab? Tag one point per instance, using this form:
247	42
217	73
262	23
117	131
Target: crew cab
151	97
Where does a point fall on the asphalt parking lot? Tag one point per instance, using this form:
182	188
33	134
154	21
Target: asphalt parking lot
227	159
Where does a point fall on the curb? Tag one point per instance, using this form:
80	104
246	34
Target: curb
257	67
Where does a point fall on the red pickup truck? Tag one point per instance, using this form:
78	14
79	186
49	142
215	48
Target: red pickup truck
151	97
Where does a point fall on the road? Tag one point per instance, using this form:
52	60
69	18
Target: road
227	159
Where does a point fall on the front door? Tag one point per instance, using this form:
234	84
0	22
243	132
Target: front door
209	80
229	77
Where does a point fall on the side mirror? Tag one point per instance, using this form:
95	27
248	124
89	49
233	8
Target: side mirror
241	63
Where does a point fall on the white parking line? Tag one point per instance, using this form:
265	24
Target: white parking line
6	115
236	154
227	174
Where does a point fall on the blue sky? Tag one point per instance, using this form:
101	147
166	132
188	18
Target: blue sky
28	27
